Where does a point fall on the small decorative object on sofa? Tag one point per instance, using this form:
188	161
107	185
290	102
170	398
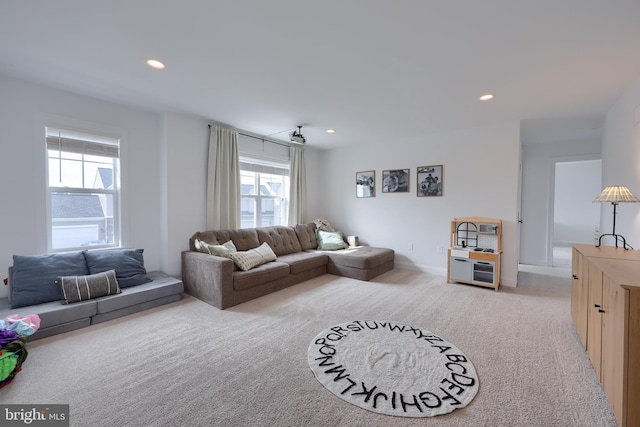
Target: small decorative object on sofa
14	333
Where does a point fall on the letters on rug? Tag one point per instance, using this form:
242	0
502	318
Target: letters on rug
393	369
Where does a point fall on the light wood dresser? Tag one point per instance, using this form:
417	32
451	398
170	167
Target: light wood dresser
605	308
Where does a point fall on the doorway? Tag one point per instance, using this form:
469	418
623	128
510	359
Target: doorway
576	219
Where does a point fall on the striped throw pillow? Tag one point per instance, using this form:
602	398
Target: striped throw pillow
82	288
246	260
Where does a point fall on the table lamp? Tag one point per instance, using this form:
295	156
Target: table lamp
615	194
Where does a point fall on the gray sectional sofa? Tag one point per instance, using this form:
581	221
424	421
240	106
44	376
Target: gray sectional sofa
35	282
218	281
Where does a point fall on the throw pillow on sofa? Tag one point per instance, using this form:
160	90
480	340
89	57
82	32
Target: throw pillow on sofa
223	250
331	241
201	246
33	280
128	264
323	224
246	260
81	288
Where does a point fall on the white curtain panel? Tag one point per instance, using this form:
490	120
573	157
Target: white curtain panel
297	187
223	180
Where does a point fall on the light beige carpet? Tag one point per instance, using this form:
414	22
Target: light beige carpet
190	364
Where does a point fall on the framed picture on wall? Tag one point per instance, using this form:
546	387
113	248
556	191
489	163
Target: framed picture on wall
430	181
395	181
366	184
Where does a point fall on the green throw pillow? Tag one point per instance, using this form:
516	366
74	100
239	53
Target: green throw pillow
331	240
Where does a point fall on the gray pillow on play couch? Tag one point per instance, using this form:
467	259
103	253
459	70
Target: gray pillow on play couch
128	264
33	279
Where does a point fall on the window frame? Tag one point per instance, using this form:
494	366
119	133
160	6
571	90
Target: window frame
258	167
93	140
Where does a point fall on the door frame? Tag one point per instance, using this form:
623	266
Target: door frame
552	193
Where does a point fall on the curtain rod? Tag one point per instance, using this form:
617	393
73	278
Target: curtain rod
260	138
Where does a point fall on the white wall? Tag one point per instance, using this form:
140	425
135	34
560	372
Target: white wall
480	179
538	169
575	215
24	108
183	184
621	164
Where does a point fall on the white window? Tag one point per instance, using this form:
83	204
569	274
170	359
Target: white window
83	190
264	189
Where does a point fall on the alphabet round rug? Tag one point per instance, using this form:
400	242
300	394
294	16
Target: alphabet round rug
393	369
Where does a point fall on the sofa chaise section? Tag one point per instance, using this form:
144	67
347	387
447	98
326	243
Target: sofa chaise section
362	262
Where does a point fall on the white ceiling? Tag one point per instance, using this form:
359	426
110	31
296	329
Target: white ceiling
374	70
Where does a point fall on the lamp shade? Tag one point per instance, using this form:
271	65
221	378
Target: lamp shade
616	194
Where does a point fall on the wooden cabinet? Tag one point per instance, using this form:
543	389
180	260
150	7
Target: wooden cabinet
474	254
594	318
633	365
614	369
608	318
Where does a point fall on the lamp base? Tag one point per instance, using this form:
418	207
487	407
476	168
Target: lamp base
618	237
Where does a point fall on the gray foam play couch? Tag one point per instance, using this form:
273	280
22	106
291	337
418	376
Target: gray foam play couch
148	290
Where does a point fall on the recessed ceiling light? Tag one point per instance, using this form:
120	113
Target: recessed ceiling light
486	97
331	131
154	63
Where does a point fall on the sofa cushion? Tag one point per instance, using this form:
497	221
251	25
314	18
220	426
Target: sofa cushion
161	286
128	264
303	261
306	235
82	288
362	257
331	240
246	260
34	276
283	240
257	276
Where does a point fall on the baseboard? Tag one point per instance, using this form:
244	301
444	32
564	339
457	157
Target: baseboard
437	271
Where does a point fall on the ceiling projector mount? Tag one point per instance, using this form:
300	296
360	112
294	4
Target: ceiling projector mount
297	136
